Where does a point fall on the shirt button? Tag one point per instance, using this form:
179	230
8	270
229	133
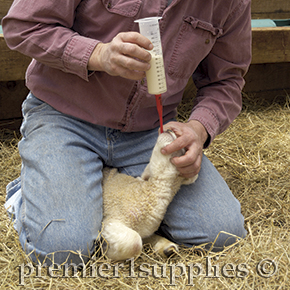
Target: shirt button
207	41
109	5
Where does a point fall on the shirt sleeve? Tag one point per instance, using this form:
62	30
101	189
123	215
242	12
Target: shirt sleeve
219	77
43	30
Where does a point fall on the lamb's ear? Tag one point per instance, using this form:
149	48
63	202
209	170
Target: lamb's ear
187	181
146	173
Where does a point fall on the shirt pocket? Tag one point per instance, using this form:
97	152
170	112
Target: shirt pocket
127	8
194	42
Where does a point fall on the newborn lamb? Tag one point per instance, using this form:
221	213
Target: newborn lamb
135	207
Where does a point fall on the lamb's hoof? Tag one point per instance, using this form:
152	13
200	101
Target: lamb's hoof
172	249
162	246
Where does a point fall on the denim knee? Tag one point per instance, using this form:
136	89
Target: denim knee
227	233
61	244
213	232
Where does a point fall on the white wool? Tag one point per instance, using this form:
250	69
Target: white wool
135	207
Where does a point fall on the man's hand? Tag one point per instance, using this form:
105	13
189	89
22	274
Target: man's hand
191	136
124	56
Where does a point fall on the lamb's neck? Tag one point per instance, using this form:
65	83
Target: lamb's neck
164	186
164	190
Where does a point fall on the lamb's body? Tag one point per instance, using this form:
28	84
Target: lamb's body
135	207
140	204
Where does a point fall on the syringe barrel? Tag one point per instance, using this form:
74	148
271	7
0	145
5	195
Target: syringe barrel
156	80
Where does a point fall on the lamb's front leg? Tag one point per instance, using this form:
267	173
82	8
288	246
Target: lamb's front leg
122	242
161	245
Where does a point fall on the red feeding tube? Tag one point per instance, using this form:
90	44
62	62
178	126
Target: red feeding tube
160	111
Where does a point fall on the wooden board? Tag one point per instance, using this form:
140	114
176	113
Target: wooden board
13	64
273	9
268	77
12	124
4	7
270	45
12	94
262	80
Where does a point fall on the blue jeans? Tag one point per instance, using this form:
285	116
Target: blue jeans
57	201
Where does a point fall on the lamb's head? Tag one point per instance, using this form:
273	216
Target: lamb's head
163	140
160	164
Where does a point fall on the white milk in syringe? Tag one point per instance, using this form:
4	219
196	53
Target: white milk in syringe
156	81
155	76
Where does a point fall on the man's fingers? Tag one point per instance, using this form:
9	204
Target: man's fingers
132	64
176	145
124	56
189	164
136	38
186	168
133	44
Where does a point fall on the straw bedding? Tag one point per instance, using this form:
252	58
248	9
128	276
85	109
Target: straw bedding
253	156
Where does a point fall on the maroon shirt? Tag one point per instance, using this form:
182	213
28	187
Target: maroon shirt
209	40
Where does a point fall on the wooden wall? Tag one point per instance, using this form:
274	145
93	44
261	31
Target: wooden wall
268	76
4	7
12	84
273	9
